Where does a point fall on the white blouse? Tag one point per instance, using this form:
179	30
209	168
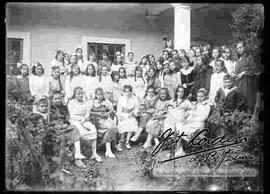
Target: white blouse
39	86
91	84
127	103
215	83
230	66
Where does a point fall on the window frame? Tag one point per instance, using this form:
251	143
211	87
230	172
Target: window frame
25	36
104	40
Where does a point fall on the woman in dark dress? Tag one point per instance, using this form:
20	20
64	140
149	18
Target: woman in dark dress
246	75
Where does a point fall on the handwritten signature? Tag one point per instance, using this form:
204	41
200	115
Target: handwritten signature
226	140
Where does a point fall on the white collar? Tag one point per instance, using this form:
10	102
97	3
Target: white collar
186	71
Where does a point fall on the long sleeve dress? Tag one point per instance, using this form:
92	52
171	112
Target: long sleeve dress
156	124
77	112
248	84
22	84
188	76
176	113
139	87
203	77
195	120
39	86
127	109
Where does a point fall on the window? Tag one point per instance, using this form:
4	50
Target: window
110	48
14	55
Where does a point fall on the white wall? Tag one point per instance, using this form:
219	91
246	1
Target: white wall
53	28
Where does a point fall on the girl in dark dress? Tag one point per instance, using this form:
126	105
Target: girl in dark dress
246	71
188	75
203	76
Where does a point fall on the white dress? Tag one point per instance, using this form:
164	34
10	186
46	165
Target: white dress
115	67
76	81
39	86
139	88
90	83
126	121
82	65
77	112
176	113
130	67
230	66
215	83
196	119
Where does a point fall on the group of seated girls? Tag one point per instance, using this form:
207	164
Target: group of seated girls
102	99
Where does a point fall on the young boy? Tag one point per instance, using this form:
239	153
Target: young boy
228	98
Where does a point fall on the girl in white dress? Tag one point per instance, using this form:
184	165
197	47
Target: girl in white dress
80	62
195	118
91	81
117	87
118	63
73	80
38	83
228	62
130	65
79	111
179	105
144	64
127	111
123	80
139	84
216	79
105	82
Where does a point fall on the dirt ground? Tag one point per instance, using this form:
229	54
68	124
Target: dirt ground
125	174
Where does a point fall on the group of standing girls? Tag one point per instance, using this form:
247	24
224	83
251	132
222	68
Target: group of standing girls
105	98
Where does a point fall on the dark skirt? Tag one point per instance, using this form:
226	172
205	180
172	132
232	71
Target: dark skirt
248	86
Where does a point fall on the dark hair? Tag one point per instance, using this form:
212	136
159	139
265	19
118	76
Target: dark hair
172	47
42	101
204	59
244	45
129	87
100	74
155	72
222	65
55	67
138	68
130	52
34	68
71	72
121	62
81	57
166	52
186	59
124	71
198	48
56	93
168	97
148	88
104	52
113	74
87	73
144	56
58	53
176	90
24	65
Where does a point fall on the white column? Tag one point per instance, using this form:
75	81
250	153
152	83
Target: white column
181	26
